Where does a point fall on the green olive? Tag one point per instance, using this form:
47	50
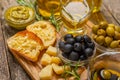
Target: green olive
117	28
100	40
105	74
117	35
95	76
103	25
110	31
101	32
111	25
108	40
95	29
114	44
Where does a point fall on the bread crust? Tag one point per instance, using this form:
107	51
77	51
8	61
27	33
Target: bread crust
28	38
45	31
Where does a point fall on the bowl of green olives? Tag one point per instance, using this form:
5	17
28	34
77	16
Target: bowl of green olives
106	37
76	49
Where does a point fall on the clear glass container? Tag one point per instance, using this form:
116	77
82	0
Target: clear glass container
73	63
74	15
105	67
101	49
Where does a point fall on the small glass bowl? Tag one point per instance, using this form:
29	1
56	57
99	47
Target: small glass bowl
102	49
70	62
107	60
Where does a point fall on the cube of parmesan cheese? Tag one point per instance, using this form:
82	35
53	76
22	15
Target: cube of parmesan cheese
46	59
46	73
52	51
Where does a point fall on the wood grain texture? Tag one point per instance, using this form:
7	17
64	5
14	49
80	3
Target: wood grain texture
111	11
16	72
32	69
10	69
113	8
4	68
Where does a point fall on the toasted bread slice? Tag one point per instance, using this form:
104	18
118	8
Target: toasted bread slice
26	44
44	30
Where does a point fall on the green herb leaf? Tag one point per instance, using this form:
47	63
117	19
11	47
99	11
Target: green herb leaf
54	22
73	72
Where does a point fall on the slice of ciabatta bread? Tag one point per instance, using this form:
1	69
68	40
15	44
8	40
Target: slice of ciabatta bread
26	44
44	30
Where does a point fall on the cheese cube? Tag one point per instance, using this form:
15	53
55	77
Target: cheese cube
52	51
56	60
58	69
46	73
46	59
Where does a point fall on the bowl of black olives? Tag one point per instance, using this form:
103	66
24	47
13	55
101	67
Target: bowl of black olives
106	37
76	49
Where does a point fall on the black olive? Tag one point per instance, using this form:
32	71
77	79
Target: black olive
74	56
68	36
113	77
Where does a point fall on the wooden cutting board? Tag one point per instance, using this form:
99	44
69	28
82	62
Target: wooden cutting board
33	68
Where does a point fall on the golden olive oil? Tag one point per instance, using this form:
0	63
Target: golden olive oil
46	7
97	5
74	14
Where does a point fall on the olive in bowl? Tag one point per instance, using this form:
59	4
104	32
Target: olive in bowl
76	49
106	37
